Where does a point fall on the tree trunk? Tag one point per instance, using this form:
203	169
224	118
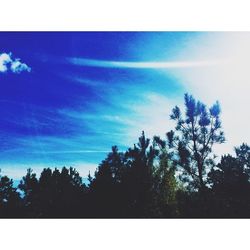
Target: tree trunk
202	184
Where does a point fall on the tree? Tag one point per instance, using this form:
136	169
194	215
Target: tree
107	193
165	185
194	137
140	161
9	198
29	186
243	155
230	188
55	194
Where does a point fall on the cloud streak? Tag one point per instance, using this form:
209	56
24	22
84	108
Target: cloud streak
10	64
140	65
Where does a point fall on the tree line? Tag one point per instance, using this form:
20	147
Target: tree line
178	176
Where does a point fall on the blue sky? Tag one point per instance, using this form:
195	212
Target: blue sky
66	98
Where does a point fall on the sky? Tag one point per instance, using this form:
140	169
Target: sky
67	97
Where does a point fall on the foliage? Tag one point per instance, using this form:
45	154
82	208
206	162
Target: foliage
194	137
10	204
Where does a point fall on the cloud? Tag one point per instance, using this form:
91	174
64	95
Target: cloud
10	64
140	65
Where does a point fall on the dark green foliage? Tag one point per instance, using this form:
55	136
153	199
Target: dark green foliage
165	185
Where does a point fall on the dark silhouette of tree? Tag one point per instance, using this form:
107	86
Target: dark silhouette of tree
10	203
165	184
243	155
107	187
29	187
139	181
230	188
193	139
55	194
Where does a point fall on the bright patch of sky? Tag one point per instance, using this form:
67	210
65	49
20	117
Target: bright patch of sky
89	91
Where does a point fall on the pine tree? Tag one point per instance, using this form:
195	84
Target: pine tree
194	137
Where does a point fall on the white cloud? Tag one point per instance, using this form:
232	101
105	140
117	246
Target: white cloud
4	61
138	65
10	64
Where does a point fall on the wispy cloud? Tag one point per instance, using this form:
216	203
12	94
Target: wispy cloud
124	123
73	152
143	65
10	64
150	114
